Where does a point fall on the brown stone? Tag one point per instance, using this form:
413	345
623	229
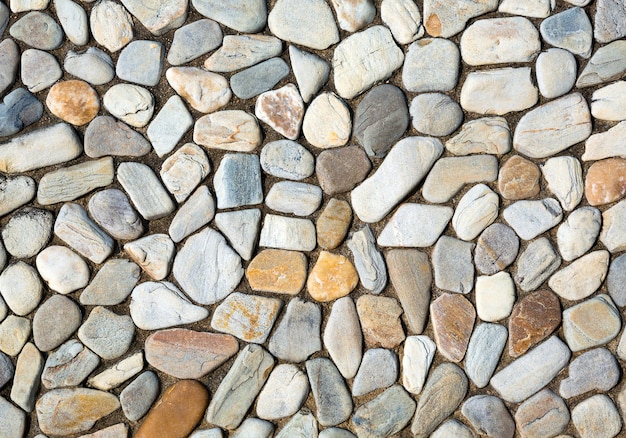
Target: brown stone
333	223
518	178
606	181
380	321
332	277
453	319
282	109
187	354
176	414
533	319
277	270
73	101
544	414
411	277
340	170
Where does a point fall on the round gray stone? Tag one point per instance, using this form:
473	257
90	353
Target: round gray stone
194	40
93	66
38	30
137	397
287	159
111	209
39	70
497	248
141	62
436	114
55	321
109	335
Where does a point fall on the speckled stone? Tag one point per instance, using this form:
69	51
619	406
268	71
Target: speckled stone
452	316
332	398
596	416
452	263
108	334
497	248
139	395
595	369
543	414
112	284
38	30
55	321
287	159
489	415
107	136
380	321
533	319
385	415
340	170
282	109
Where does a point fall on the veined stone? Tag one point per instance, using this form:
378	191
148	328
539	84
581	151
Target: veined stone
403	18
114	376
500	41
385	415
198	211
310	70
93	66
303	423
73	19
241	51
240	15
15	191
69	183
452	263
288	233
241	228
112	284
565	180
204	91
538	261
607	102
108	334
107	136
613	234
533	319
284	393
431	64
332	225
489	135
404	167
231	130
282	110
111	25
380	321
287	159
607	64
488	414
553	127
453	317
441	20
556	72
38	30
158	17
27	377
194	40
187	354
581	278
14	332
145	190
21	288
476	210
343	337
591	323
182	171
483	352
608	23
139	395
577	234
27	232
527	8
18	110
531	372
112	211
76	228
332	277
495	296
570	30
543	414
497	248
498	91
44	147
358	64
332	397
327	123
169	126
368	260
297	335
594	370
531	218
419	352
407	228
69	365
597	416
237	181
292	197
606	144
308	23
62	269
247	317
153	253
130	103
161	305
207	268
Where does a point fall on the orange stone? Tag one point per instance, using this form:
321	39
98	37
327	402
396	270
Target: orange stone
176	414
606	181
277	270
73	101
333	223
332	277
453	319
380	321
533	319
518	179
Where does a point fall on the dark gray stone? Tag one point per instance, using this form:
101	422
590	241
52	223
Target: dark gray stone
452	263
108	136
18	110
616	280
258	79
380	120
497	248
194	40
6	369
340	170
332	397
538	261
570	30
489	416
385	415
38	30
237	181
139	395
594	370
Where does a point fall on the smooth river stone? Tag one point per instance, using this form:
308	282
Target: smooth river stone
111	209
533	319
38	30
411	277
194	40
111	25
582	277
531	218
484	351
596	370
288	233
292	20
419	352
108	334
442	395
231	130
73	101
332	225
158	17
113	282
441	20
69	183
606	144
616	280
529	8
240	15
55	321
475	211
10	57
452	316
332	398
278	271
556	72
240	386
15	191
497	248
431	64
282	109
14	332
538	261
139	395
607	64
284	393
327	122
489	135
604	181
380	321
310	70
332	277
18	110
291	197
21	288
435	114
187	354
27	232
578	233
489	415
343	337
198	211
120	372
368	260
340	170
153	253
403	18
543	414
107	136
259	78
385	415
177	412
204	91
531	372
495	296
130	103
69	365
519	178
27	377
145	190
353	16
613	234
287	159
93	66
591	323
297	336
450	174
240	51
363	59
73	19
570	30
405	166
607	103
169	126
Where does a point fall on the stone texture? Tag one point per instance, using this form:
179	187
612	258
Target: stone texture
145	190
10	56
169	126
69	365
431	64
594	370
518	178
556	72
158	18
278	271
368	261
153	253
528	8
424	107
21	288
476	210
73	19
38	30
333	223
582	277
303	423
415	225
538	261
310	70
327	122
108	334
248	317
287	233
543	414
488	135
385	415
188	354
605	144
353	16
27	232
287	159
379	369
111	209
340	170
452	428
533	319
332	277
453	318
55	321
291	20
297	335
93	66
450	174
608	63
182	171
603	183
380	321
117	374
497	248
570	30
237	181
495	296
613	233
73	101
332	398
241	228
565	180
6	369
343	337
259	78
441	20
107	136
137	398
419	352
532	218
596	416
15	191
489	415
198	211
12	420
111	25
204	91
231	130
194	40
130	103
27	377
404	20
18	110
240	51
112	284
615	283
607	102
591	323
291	197
284	393
282	110
14	332
484	351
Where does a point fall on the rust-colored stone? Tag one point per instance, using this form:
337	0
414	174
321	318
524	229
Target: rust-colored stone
282	109
332	277
606	181
453	319
73	101
533	319
519	178
277	270
433	25
176	414
380	321
333	223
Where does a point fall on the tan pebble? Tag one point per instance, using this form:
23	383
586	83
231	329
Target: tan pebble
518	179
333	223
606	181
380	321
73	101
332	277
277	270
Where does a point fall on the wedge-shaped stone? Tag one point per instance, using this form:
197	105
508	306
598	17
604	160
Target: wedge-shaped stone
543	414
613	234
343	337
570	30
607	144
565	180
284	393
419	352
484	351
282	110
76	228
207	268
169	126
240	15
231	130
69	183
441	20
385	415
453	318
489	135
531	218
607	103
241	228
450	174
198	211
112	284
582	278
533	319
241	51
107	136
332	398
240	387
499	91
538	261
593	322
404	167
279	271
111	209
184	170
158	16
368	260
187	354
288	233
594	370
69	365
117	374
153	253
298	333
607	64
204	91
476	210
308	23
415	225
130	103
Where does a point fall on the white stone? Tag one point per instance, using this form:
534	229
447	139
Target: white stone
528	8
117	374
153	253
204	91
284	393
415	225
308	23
606	144
155	306
288	233
613	234
403	18
531	218
431	64
565	180
476	210
581	278
609	103
597	416
145	190
28	5
62	269
182	171
364	58
131	103
343	337
73	19
578	233
354	15
450	174
231	130
15	191
27	232
608	63
419	352
406	164
158	16
169	126
379	369
292	197
556	72
20	288
287	159
499	91
111	25
489	135
241	228
327	122
442	20
310	70
500	41
198	211
495	296
553	127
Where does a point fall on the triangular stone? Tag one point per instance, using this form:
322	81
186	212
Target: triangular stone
241	228
310	70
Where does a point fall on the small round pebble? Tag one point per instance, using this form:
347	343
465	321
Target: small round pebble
21	288
27	232
63	269
55	321
138	397
436	114
556	72
287	159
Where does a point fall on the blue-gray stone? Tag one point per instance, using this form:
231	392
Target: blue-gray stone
538	261
489	416
141	62
9	60
93	66
254	427
248	16
12	420
237	181
4	17
594	370
18	110
616	280
379	369
607	64
258	79
385	415
368	260
38	30
332	398
69	365
39	70
335	432
287	159
570	30
6	369
137	398
194	40
452	263
297	336
484	351
302	424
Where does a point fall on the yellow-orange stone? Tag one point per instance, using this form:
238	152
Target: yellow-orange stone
177	413
73	101
606	181
277	270
332	277
333	223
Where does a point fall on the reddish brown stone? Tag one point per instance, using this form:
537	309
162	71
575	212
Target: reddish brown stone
333	223
606	181
282	109
187	354
380	321
340	170
176	414
277	270
533	319
73	101
453	319
519	178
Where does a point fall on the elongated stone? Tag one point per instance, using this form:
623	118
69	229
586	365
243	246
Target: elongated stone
489	135
536	264
231	130
204	91
112	284
297	335
73	19
13	419
27	377
69	365
333	402
565	180
484	351
581	278
615	283
194	40
117	374
113	212
343	337
139	395
69	183
419	352
169	126
528	8
240	51
240	387
237	181
279	271
613	233
107	136
476	210
145	190
332	225
453	318
404	230
259	78
368	261
385	415
591	323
